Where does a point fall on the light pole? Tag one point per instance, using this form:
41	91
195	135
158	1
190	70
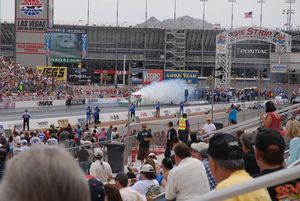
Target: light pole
117	14
290	11
260	19
129	98
202	38
175	5
146	11
232	1
88	14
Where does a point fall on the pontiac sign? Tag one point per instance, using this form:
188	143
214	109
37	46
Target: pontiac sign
254	51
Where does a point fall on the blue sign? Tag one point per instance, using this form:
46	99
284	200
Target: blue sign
191	77
84	45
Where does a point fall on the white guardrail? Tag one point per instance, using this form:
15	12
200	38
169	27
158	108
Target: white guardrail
117	116
269	180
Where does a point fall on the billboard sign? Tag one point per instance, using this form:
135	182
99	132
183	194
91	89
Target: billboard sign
137	76
81	75
252	32
252	51
59	73
65	60
152	75
31	23
67	43
191	77
279	68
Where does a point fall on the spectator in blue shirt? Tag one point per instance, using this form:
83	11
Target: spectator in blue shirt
132	111
157	107
88	115
96	115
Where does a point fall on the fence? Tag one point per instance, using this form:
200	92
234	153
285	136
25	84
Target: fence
287	113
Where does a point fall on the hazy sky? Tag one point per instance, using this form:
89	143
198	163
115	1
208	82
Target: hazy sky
133	11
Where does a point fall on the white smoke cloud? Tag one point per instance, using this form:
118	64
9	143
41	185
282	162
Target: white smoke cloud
166	91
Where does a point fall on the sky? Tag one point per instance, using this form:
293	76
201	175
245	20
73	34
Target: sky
133	11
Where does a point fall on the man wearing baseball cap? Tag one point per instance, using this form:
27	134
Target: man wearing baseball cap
147	185
100	169
227	165
269	153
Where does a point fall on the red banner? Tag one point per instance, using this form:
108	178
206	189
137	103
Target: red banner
152	75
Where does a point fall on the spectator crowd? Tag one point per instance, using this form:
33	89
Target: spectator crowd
191	167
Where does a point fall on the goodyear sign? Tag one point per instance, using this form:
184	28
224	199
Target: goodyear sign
60	73
191	77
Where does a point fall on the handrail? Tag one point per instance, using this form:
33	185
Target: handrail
250	122
295	163
269	180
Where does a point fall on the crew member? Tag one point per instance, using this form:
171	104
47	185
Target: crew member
132	111
184	129
181	108
96	115
26	117
88	115
232	115
157	107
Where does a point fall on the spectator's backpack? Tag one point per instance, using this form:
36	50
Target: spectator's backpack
3	148
153	191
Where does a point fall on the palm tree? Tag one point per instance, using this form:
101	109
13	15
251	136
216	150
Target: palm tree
210	81
105	78
234	79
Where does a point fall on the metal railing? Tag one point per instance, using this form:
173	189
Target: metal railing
269	180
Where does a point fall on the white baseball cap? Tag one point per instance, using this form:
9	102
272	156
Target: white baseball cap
147	168
98	152
199	146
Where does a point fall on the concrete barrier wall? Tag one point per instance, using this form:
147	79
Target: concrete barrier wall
117	116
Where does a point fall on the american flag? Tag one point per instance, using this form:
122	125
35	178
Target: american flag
248	14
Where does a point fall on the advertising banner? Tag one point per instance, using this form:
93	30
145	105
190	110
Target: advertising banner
31	23
67	43
252	51
152	75
279	68
65	60
81	75
78	102
252	32
137	76
60	73
191	77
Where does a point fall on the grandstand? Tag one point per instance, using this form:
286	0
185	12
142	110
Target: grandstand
157	48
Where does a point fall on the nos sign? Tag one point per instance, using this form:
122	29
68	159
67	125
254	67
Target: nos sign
252	51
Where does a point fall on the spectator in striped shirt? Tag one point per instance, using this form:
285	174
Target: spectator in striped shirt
199	151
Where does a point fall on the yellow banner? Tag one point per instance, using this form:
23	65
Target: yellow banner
58	72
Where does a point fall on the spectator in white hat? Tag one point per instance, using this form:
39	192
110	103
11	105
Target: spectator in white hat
100	169
208	127
148	185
